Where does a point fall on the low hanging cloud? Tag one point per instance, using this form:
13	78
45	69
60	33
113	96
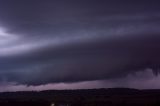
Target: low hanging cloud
65	44
83	62
140	80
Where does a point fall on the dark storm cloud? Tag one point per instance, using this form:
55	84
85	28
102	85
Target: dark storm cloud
66	41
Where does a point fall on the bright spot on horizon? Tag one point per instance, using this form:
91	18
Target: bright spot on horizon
52	104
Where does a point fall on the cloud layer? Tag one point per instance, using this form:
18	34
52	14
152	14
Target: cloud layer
44	42
140	80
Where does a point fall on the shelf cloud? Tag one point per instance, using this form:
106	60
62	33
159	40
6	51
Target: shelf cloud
44	42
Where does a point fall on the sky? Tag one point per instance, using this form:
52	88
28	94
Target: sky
79	44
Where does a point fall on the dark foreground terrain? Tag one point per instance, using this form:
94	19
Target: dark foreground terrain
90	97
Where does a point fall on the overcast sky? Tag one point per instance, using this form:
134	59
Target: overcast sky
70	44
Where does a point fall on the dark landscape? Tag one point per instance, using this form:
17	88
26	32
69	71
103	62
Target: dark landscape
88	97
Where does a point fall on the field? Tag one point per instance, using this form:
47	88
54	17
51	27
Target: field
89	97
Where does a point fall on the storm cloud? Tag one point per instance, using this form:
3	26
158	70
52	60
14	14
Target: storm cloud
58	41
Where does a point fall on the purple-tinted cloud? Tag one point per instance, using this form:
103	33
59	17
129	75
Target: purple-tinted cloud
78	43
139	80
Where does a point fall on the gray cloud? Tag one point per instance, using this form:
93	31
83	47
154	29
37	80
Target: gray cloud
140	80
58	41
